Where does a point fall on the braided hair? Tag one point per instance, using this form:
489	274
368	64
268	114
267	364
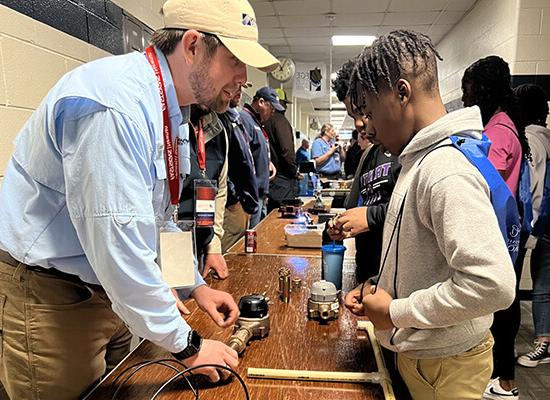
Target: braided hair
340	84
532	104
400	54
490	81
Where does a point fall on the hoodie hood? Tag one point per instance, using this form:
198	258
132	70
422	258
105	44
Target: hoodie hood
542	134
464	122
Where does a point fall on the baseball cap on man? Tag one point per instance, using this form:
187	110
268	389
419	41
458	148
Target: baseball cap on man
232	21
267	93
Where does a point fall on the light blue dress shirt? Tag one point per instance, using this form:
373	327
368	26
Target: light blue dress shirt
332	165
86	192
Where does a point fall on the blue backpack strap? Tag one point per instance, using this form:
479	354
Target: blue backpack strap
544	210
504	203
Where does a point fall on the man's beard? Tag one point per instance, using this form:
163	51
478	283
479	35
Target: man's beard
201	86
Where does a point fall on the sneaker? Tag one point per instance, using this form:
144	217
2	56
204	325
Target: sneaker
494	391
538	356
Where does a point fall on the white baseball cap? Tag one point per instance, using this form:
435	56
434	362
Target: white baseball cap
232	21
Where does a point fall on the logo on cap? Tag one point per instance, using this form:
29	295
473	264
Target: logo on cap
248	20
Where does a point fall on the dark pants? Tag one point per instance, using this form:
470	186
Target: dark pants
280	188
505	329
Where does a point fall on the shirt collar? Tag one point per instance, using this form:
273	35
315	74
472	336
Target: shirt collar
174	109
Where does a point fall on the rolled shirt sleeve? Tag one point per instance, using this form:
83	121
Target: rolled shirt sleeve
110	191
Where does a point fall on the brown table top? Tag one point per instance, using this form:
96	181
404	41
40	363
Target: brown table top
271	239
294	342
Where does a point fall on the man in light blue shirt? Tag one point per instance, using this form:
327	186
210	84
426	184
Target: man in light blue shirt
326	153
85	195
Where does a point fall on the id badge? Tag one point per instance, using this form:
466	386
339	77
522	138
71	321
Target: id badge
177	256
205	202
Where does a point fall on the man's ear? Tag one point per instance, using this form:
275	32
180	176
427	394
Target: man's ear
189	43
404	91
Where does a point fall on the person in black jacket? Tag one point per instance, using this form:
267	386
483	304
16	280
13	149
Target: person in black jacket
365	216
207	240
242	190
353	155
281	143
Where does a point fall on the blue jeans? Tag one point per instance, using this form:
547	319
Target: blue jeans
540	274
259	215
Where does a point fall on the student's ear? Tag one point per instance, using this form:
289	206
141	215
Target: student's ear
404	91
190	42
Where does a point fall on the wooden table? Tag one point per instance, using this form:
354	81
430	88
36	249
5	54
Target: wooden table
294	342
271	239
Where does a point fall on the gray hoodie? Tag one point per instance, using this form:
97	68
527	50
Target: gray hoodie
539	142
453	267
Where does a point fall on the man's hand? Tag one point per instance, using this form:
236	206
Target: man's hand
219	305
213	352
352	301
335	233
181	308
377	308
217	263
353	221
272	171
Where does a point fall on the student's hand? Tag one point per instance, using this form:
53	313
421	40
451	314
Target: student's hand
334	232
213	352
353	221
219	305
181	308
217	263
272	171
377	308
352	300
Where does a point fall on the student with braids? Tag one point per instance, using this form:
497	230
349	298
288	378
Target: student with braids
366	205
439	284
487	84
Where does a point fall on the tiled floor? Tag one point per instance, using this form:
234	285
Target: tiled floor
534	383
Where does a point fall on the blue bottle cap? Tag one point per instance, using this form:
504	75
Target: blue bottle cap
333	248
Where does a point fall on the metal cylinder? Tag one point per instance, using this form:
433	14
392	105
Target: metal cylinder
239	339
284	284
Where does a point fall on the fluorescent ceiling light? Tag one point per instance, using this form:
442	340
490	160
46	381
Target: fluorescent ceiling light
352	40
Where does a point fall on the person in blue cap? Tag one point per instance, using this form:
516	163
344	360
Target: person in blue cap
254	116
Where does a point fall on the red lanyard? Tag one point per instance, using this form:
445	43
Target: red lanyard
201	151
170	150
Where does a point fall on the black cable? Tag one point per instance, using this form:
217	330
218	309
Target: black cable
144	364
188	370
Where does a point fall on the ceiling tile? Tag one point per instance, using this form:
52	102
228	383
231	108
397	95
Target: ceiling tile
298	21
270	33
311	49
354	6
279	50
307	41
440	29
384	30
268	22
417	5
460	5
356	30
264	8
302	7
410	18
305	32
358	19
274	41
450	17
